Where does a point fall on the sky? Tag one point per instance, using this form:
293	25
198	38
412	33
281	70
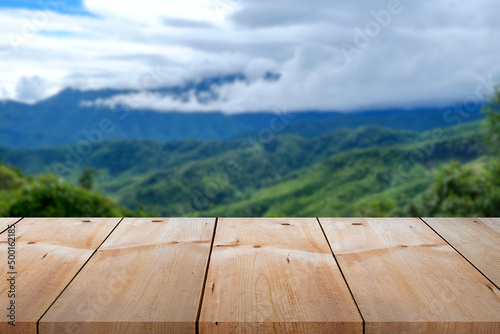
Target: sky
329	54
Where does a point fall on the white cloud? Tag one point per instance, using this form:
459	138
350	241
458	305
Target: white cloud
423	52
4	94
214	11
31	89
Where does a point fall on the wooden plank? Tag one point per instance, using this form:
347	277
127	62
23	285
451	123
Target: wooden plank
6	222
49	253
477	239
275	276
405	278
146	278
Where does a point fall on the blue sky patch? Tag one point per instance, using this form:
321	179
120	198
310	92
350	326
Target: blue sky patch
61	33
72	7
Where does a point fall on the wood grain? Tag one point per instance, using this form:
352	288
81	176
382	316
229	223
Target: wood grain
146	278
6	222
477	239
406	279
275	276
49	253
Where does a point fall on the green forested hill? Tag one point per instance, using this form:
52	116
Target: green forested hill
347	183
139	158
48	196
345	172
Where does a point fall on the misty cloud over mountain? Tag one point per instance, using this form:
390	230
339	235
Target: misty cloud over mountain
330	55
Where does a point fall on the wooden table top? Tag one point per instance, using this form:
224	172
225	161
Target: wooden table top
250	275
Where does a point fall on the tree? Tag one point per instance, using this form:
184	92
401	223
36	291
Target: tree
86	180
459	190
10	178
49	196
493	120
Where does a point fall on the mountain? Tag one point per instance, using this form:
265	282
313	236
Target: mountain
333	174
68	119
344	184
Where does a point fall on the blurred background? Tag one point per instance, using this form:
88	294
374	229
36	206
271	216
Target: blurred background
249	108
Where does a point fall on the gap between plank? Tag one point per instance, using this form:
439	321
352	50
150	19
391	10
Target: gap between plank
11	225
95	251
456	250
342	273
198	315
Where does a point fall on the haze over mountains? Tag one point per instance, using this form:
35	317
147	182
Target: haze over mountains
73	116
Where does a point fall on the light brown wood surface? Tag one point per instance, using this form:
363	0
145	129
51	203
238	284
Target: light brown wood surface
275	276
266	275
49	253
406	279
6	222
146	278
477	239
